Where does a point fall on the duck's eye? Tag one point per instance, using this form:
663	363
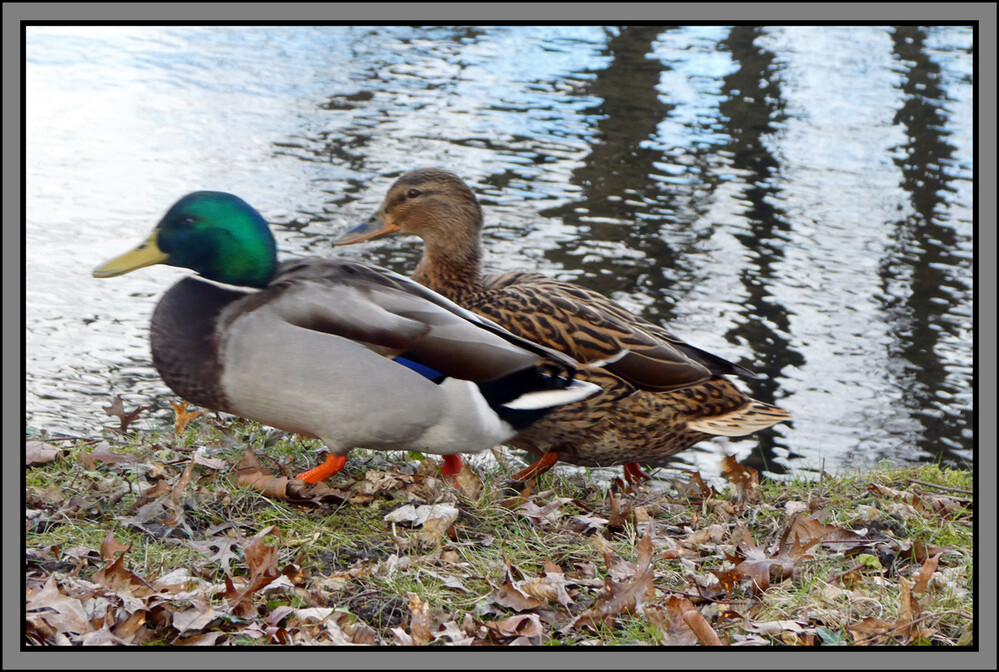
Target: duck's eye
413	193
187	221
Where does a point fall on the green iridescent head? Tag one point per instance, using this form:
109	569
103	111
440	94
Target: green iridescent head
214	233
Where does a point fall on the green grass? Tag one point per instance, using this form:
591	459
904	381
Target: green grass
342	555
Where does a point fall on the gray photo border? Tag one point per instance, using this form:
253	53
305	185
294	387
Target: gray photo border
599	13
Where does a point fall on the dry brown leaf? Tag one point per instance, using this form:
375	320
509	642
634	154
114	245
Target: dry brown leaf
758	565
127	630
159	489
696	487
39	452
584	524
182	416
261	558
698	624
672	631
262	562
185	478
208	639
909	606
549	586
548	514
376	483
250	475
209	462
919	551
519	630
728	579
434	530
110	546
62	613
922	579
745	479
626	597
869	626
468	482
194	619
776	627
510	594
102	453
419	515
117	410
420	621
119	580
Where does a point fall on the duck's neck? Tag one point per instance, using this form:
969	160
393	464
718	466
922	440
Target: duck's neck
452	267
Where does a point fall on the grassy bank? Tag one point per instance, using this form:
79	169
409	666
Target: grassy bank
162	538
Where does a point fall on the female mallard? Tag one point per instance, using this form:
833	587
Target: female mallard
355	355
659	395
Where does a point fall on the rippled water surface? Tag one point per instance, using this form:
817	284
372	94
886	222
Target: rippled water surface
797	199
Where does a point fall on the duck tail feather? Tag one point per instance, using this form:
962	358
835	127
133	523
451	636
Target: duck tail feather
524	396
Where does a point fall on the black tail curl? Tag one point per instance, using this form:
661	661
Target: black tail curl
503	390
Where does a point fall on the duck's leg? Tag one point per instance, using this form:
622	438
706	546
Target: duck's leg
333	464
452	465
543	464
634	474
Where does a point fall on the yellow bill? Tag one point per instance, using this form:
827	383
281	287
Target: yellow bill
146	254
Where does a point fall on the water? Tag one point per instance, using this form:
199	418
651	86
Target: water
797	199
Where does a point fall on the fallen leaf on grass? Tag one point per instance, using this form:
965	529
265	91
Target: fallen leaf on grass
805	532
551	585
695	621
776	627
117	410
926	503
102	453
262	561
910	607
668	628
376	483
519	630
864	630
920	551
922	579
420	620
182	416
745	479
251	475
696	487
164	514
626	597
420	515
209	462
547	514
60	612
113	574
39	452
757	564
468	482
586	524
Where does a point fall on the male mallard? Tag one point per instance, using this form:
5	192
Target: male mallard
659	394
353	354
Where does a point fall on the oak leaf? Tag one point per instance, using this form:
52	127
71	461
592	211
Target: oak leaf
117	410
626	597
182	416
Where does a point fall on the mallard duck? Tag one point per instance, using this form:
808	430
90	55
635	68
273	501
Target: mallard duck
353	354
659	395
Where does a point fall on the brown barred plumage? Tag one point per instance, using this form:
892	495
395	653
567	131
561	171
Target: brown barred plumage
660	397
